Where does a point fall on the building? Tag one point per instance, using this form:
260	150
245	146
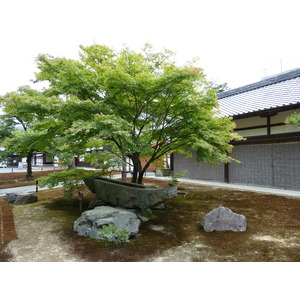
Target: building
270	155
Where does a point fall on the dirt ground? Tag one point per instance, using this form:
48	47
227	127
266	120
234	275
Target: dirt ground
44	230
10	180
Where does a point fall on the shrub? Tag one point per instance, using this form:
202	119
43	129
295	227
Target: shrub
174	178
69	179
112	234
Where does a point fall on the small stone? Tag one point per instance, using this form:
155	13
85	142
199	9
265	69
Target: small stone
161	206
20	198
223	219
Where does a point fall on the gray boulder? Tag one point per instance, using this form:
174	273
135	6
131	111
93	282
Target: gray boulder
127	194
89	223
143	214
20	198
223	219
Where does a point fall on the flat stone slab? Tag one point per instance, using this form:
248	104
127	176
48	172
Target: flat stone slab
20	198
223	219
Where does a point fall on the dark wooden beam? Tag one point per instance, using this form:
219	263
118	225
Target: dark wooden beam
272	138
259	126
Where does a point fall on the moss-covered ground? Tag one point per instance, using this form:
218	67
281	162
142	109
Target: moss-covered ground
273	228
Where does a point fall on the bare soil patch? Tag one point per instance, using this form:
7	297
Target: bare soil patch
45	230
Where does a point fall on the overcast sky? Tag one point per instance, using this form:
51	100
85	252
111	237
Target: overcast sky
233	39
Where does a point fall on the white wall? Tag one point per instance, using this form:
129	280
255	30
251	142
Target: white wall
258	121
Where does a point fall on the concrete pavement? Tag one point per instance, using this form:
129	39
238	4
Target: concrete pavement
257	189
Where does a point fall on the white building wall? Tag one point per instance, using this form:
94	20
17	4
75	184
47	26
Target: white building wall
259	121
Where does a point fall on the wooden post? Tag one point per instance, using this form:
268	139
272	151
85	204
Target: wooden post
37	186
268	125
80	198
226	173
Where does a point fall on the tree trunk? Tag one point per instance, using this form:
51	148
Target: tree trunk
29	165
124	171
140	177
143	171
134	175
73	166
137	168
138	171
124	176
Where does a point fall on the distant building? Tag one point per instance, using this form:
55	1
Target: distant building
270	156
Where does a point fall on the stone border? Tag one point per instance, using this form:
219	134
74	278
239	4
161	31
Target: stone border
1	225
7	225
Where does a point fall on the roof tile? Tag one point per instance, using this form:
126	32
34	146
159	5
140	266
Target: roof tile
278	91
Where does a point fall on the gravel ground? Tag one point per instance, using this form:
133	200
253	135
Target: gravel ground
43	244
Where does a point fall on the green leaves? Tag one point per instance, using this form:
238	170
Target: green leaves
27	108
134	104
67	178
70	180
7	125
113	234
26	141
293	119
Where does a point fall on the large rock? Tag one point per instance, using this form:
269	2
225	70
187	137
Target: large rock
91	221
129	195
89	182
223	219
20	198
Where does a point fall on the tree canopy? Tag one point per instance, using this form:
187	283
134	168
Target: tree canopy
132	105
7	125
136	105
23	108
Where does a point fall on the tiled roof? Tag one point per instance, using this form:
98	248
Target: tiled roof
274	92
